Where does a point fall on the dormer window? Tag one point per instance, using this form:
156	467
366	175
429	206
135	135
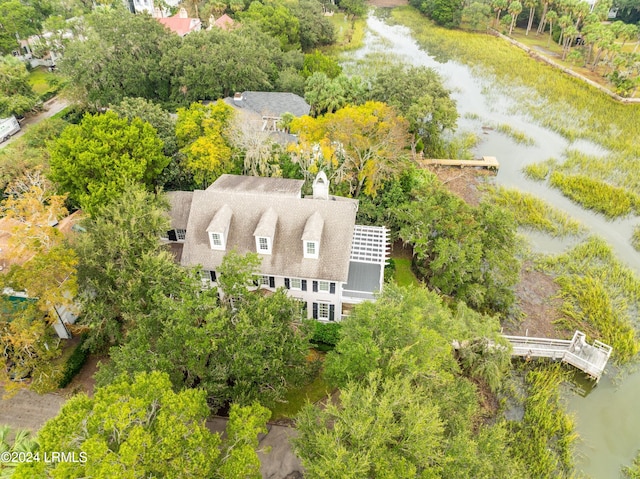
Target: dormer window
265	231
218	229
312	235
311	249
263	244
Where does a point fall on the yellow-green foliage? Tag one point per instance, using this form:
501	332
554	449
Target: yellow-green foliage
517	135
546	433
609	200
635	239
537	171
532	212
601	296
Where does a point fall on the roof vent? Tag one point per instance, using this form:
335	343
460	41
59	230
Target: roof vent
237	98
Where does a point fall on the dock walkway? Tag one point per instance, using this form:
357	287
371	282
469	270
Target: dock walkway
591	359
489	162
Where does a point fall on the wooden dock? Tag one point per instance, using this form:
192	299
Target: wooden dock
591	359
489	162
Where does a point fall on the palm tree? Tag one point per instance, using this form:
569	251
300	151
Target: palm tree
515	8
22	442
552	16
498	6
543	17
531	4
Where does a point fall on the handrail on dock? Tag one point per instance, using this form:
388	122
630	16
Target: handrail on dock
592	359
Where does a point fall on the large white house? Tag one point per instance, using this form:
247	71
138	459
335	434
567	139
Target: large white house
309	245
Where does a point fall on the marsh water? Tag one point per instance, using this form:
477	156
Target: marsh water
608	420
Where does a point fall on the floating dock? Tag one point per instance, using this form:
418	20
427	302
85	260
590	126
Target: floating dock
489	162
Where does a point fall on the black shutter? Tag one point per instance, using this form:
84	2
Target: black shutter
172	235
272	282
213	276
304	285
315	310
332	288
332	312
286	283
255	281
315	286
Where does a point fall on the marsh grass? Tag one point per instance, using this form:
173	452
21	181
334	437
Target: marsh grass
555	100
600	295
349	34
538	171
609	200
546	434
534	213
635	238
516	135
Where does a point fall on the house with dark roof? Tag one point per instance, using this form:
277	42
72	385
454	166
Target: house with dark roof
309	245
265	109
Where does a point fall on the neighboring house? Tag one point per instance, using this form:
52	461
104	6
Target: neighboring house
65	316
310	246
265	109
225	22
179	24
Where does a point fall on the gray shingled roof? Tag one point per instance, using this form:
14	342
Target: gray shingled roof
257	185
287	252
180	202
271	103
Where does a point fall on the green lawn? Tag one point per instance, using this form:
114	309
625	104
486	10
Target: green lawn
42	81
296	398
403	274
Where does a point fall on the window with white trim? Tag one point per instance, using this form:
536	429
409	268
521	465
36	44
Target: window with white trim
296	283
181	234
311	249
264	280
323	286
323	311
216	239
263	244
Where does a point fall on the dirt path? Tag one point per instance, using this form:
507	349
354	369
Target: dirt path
29	410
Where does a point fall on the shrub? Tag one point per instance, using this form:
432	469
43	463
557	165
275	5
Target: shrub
74	363
325	334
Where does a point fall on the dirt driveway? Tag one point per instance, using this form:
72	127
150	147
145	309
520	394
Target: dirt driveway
28	410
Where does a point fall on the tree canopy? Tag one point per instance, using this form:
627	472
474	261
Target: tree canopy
201	131
407	408
45	268
251	350
94	160
142	428
467	252
16	95
358	146
118	56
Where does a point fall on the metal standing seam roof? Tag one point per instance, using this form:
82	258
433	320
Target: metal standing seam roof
292	213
